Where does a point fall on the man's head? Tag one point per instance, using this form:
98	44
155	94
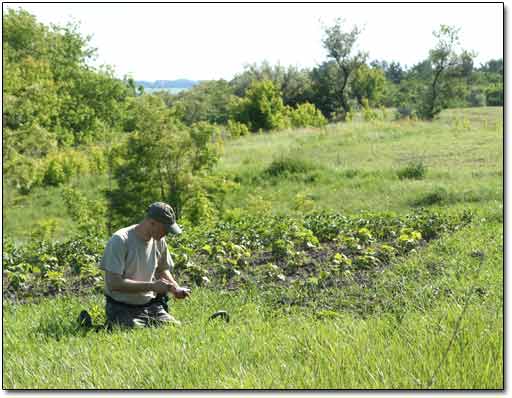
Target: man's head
163	218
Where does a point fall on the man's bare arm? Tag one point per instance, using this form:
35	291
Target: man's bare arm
167	276
174	288
117	283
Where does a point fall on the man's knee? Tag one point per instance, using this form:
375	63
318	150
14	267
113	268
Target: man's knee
124	317
168	319
159	314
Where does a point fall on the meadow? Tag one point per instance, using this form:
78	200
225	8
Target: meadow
428	316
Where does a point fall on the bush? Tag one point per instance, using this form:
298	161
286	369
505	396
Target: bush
262	108
24	173
369	114
237	129
477	98
404	111
54	175
306	115
414	170
288	165
98	161
199	209
494	95
437	196
44	229
63	165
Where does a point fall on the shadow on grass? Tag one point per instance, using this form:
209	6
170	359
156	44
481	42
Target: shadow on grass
61	327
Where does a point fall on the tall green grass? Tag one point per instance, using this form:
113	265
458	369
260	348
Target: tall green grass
257	351
357	164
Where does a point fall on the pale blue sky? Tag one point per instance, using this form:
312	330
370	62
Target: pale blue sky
198	41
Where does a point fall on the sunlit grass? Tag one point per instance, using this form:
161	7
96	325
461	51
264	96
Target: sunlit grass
400	345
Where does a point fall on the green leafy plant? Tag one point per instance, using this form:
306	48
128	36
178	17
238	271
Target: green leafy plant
305	115
237	129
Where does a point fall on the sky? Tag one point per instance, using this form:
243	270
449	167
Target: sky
215	41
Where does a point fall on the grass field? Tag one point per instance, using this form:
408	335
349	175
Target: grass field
345	168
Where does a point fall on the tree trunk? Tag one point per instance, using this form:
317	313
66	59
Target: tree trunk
434	93
344	103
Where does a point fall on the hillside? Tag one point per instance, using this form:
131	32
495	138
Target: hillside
347	168
350	257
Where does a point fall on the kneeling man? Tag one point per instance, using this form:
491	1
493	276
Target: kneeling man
138	268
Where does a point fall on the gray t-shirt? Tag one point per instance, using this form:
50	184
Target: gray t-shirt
133	258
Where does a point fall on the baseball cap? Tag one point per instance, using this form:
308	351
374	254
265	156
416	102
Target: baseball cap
164	213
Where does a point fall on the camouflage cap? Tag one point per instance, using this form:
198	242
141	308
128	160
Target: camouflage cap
164	213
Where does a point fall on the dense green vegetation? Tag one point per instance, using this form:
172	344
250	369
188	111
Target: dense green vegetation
364	254
370	280
65	120
392	333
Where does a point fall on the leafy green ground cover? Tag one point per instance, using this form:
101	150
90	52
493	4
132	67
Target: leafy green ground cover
324	251
345	257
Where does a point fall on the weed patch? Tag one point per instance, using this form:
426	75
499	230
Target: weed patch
286	166
413	171
438	196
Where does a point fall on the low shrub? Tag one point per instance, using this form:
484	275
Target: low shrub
404	111
237	129
350	173
54	175
414	170
437	196
369	114
288	165
306	115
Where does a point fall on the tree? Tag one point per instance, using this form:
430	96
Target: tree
340	48
160	160
444	58
368	83
493	66
325	88
395	72
52	97
208	101
241	82
293	83
262	107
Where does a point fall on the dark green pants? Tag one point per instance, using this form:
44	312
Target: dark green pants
131	316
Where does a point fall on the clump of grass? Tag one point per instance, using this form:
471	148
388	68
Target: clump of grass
436	197
288	165
350	173
413	171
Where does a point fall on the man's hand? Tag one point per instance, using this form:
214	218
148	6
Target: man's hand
180	292
161	287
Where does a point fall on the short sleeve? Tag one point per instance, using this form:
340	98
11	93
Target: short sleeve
114	257
165	262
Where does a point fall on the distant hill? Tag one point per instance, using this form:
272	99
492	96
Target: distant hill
181	84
